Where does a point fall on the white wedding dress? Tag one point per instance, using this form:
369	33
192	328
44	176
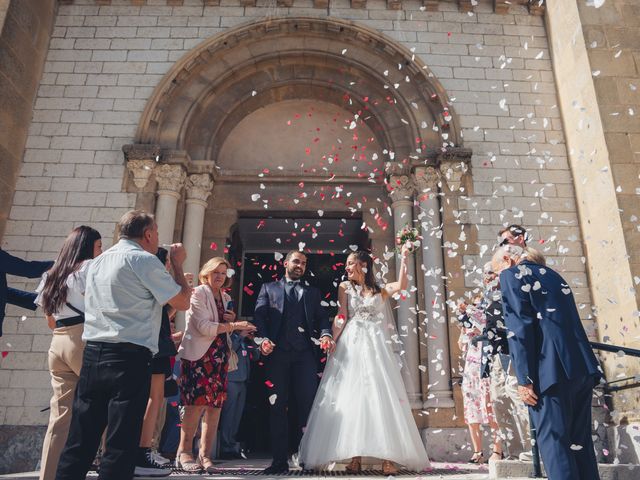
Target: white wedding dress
361	408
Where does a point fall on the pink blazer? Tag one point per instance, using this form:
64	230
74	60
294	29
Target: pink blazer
201	323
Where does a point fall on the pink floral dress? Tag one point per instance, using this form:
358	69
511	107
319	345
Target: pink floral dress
475	389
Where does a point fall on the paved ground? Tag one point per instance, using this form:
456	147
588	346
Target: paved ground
236	470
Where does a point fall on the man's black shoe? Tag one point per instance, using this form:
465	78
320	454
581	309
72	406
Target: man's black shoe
276	469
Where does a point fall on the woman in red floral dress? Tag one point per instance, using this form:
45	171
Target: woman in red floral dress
205	355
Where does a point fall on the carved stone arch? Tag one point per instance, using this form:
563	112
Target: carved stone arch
226	77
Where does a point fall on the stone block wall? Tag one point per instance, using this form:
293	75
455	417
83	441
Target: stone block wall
104	62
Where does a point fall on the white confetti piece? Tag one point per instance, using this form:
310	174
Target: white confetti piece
255	197
272	399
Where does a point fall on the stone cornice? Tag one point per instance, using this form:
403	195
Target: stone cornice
137	151
536	7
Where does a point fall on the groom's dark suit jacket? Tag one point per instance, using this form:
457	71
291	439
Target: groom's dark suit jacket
269	312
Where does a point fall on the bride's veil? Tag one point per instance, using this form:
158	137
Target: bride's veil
390	331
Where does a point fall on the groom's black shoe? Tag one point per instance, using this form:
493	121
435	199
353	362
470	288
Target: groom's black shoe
276	468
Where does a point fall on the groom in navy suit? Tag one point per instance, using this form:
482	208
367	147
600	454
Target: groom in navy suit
553	361
292	328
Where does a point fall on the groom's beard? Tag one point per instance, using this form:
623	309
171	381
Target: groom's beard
295	273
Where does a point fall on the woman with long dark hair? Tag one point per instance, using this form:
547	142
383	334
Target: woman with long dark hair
362	409
61	296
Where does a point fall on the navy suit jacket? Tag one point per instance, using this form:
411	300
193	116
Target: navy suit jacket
547	341
10	265
270	309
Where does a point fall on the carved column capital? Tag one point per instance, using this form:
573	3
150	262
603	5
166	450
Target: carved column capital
427	180
199	188
141	171
401	188
141	161
170	179
452	172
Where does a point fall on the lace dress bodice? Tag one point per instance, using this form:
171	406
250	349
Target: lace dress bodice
364	308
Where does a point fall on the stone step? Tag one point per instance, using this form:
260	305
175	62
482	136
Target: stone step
516	469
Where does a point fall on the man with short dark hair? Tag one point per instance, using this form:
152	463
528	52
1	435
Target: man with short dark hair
513	235
291	323
126	287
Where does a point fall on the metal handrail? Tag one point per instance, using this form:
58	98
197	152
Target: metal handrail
632	352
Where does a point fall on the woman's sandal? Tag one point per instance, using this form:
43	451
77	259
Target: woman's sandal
478	457
497	456
207	464
355	466
389	468
190	466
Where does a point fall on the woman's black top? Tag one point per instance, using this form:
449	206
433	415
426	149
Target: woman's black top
166	347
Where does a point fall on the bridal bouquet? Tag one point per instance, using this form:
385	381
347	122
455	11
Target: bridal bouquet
408	236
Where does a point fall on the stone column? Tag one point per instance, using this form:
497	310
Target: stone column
170	180
401	194
198	190
439	392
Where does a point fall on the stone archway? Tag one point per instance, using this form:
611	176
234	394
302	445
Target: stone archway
225	83
230	75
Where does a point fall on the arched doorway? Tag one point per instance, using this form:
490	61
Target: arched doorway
309	118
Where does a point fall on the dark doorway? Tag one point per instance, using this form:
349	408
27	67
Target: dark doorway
260	252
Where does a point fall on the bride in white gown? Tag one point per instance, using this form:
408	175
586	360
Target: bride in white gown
361	408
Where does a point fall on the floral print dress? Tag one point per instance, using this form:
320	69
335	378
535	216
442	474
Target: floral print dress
204	381
475	389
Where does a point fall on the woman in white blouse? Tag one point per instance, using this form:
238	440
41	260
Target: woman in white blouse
61	296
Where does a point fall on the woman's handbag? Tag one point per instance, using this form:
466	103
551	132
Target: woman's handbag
233	356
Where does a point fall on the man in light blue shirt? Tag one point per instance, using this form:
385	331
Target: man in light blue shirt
126	288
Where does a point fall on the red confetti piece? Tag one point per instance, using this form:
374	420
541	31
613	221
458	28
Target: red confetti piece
268	384
4	354
248	291
213	246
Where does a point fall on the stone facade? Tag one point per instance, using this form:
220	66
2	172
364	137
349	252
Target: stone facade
120	76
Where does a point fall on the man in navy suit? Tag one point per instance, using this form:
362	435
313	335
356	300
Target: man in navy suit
10	265
292	327
553	361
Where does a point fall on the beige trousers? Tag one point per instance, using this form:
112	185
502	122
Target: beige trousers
65	361
511	412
